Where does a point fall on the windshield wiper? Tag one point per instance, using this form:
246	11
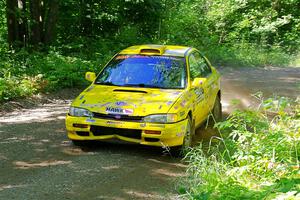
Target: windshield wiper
141	85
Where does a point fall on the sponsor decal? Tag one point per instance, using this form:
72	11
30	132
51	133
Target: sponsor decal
121	103
114	110
183	103
114	122
117	116
143	125
169	103
90	120
180	134
176	93
199	94
128	111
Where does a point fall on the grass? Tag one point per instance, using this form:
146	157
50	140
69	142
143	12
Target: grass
256	157
296	61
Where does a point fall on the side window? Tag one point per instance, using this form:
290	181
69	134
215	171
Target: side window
207	68
198	66
194	69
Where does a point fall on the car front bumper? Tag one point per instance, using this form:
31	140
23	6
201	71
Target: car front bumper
83	128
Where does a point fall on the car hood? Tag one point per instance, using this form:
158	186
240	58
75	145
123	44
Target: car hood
127	100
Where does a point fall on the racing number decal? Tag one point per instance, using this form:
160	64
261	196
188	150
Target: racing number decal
199	94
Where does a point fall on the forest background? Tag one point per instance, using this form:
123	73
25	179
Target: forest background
47	45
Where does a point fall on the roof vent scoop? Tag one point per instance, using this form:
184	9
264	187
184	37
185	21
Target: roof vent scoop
150	51
153	51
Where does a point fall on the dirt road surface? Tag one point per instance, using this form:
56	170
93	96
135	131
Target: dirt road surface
37	161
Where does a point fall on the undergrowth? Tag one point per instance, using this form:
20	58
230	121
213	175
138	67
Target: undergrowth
23	74
26	72
256	156
249	55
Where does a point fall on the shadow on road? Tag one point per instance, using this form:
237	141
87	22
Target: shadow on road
39	162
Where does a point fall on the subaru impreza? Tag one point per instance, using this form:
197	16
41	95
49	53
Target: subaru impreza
148	94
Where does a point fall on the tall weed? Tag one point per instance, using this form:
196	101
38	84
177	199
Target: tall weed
257	157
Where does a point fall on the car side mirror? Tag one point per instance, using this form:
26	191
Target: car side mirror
198	82
90	76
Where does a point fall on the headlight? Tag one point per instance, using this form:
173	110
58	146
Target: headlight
161	118
80	112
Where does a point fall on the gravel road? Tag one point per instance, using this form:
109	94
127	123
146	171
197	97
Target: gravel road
37	161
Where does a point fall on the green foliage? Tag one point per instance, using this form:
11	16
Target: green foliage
23	74
236	32
3	27
108	18
87	33
249	55
257	156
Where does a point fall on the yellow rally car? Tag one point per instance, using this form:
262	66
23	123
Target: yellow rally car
149	94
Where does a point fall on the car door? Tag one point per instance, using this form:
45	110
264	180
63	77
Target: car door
199	69
213	83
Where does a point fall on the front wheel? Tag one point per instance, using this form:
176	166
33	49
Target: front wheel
80	143
187	141
217	110
188	137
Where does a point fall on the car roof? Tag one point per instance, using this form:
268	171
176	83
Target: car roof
152	49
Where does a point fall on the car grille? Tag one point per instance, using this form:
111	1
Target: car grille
102	130
118	117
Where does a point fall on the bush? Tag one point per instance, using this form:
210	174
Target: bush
249	55
23	74
257	156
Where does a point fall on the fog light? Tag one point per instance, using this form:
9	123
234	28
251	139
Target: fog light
80	125
151	139
152	132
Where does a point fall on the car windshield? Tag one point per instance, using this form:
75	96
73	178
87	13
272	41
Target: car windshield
145	71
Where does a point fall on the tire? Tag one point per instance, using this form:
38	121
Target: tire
180	151
188	136
217	111
80	143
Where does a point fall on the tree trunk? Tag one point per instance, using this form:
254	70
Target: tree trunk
50	21
36	24
22	23
12	25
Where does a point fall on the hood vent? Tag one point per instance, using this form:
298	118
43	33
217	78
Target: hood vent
135	91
